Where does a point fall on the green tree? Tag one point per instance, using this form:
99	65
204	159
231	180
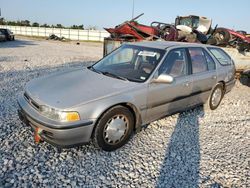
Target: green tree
77	27
2	21
25	23
45	25
35	24
59	26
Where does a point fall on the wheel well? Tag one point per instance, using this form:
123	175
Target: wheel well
133	110
223	84
130	107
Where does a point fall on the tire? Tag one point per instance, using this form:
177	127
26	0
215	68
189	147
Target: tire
214	101
114	128
222	36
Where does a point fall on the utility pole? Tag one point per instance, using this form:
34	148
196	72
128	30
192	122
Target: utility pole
133	9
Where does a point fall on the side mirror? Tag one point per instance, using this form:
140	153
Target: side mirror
163	78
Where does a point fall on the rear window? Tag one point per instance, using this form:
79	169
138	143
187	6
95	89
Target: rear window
221	56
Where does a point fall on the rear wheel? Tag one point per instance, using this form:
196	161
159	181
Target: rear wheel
114	128
215	97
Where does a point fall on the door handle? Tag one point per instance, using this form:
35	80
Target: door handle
214	77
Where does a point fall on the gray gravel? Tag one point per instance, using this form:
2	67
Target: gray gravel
196	148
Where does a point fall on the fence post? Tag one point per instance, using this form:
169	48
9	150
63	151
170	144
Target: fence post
78	35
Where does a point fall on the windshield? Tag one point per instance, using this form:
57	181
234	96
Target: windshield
192	22
186	21
133	63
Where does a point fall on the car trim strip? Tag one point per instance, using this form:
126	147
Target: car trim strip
176	99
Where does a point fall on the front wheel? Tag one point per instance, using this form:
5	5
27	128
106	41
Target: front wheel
215	97
114	128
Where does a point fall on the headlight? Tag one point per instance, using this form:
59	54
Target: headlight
59	115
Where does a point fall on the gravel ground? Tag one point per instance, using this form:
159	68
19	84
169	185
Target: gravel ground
196	148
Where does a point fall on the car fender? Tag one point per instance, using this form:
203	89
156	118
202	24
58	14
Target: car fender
136	100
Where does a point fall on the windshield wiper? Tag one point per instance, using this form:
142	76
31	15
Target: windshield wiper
93	69
107	73
114	75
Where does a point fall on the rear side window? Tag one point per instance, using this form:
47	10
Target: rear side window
210	61
198	59
221	56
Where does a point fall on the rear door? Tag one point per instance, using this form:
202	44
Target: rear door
163	98
204	74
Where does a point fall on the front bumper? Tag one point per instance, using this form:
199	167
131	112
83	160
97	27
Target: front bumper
63	135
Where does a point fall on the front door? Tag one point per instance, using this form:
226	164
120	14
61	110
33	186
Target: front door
164	99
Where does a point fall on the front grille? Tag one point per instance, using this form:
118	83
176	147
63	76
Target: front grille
31	101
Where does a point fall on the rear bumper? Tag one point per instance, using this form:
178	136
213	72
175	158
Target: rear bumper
59	136
229	85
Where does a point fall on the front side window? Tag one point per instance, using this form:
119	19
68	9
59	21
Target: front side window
175	63
221	56
134	63
198	60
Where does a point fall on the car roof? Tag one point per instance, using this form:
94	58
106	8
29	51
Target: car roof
166	44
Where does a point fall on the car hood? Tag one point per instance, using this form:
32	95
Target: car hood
71	88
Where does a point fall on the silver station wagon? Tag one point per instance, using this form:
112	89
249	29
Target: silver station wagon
131	87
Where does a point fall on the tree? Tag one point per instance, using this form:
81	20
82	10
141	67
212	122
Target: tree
45	25
35	24
81	26
25	23
77	27
2	21
59	26
74	27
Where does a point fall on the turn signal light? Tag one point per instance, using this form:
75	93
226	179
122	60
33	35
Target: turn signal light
72	116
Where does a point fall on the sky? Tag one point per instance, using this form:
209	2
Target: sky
108	13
